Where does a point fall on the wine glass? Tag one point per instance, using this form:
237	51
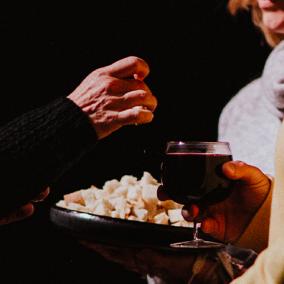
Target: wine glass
191	172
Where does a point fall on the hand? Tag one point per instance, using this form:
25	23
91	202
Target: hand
24	211
228	219
115	95
171	267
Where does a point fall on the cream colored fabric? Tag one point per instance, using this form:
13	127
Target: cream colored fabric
269	266
277	213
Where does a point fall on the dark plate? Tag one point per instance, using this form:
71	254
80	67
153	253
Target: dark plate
117	231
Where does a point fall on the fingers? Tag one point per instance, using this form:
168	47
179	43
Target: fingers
162	195
20	214
75	197
130	93
140	98
128	67
212	227
135	115
116	86
132	99
248	175
42	195
106	122
190	212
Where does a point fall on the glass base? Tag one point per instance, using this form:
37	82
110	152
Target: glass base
197	244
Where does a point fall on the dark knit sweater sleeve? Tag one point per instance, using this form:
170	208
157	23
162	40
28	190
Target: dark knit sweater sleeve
38	147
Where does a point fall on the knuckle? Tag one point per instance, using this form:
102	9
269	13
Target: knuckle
136	113
137	62
143	95
106	102
141	86
108	84
98	72
111	101
134	60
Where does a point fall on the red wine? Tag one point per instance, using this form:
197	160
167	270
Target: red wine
195	177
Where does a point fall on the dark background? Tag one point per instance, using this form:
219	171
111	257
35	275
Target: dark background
199	56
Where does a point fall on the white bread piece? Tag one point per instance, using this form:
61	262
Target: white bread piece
132	218
134	192
77	207
89	196
110	186
102	207
141	214
175	215
147	178
149	193
62	203
183	224
161	218
120	191
114	214
99	194
74	197
121	206
169	204
128	180
138	204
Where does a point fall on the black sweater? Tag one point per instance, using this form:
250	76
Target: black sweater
39	147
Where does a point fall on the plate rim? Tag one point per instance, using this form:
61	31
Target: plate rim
92	216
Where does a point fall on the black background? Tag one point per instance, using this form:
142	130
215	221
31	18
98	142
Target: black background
199	56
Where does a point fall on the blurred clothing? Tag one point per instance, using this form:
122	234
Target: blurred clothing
250	121
269	266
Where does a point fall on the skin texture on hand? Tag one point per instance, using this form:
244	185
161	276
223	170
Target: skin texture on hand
116	95
227	220
25	211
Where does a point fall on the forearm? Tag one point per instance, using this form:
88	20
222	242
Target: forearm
38	147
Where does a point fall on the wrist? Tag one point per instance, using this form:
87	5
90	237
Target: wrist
255	235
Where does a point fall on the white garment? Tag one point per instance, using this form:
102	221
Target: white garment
250	121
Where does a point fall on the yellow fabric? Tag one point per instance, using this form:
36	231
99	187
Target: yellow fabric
269	266
277	213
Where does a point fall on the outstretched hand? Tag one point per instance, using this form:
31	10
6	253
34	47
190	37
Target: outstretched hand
25	211
227	220
116	95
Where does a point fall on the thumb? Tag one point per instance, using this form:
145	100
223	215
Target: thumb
247	174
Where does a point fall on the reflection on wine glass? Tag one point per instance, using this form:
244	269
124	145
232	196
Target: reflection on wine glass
191	172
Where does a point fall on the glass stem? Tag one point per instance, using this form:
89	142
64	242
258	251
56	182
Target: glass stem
197	225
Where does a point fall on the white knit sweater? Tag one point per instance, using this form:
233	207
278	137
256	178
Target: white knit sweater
251	119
